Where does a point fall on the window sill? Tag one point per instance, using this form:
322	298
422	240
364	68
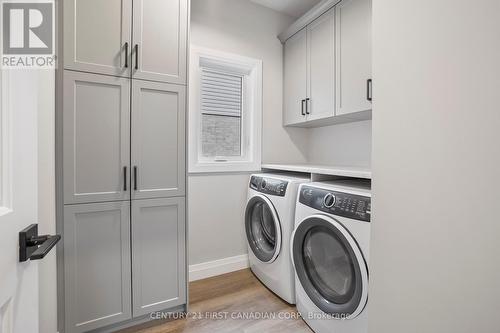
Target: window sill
221	167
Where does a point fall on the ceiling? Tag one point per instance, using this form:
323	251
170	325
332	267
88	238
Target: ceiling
294	8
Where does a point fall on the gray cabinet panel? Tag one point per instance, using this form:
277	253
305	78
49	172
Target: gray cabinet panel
158	139
295	78
160	33
321	67
353	40
158	254
96	137
95	35
96	265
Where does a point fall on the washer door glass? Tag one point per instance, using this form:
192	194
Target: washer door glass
262	229
330	267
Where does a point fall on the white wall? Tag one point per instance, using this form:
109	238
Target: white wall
46	199
436	156
343	144
217	201
217	204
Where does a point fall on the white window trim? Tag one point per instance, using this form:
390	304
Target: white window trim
251	134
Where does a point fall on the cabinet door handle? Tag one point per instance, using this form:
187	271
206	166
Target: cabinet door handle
302	110
369	89
307	105
125	178
135	178
126	55
136	56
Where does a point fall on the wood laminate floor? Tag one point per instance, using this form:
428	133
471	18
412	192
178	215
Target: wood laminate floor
231	295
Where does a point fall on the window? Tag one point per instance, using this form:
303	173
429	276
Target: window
221	98
225	112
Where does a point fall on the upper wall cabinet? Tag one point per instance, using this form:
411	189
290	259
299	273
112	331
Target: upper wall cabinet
320	102
160	40
332	55
99	37
295	83
309	78
310	72
353	38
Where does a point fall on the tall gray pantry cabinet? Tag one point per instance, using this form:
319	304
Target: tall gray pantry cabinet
123	160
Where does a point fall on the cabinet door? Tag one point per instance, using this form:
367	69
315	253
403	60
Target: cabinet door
353	20
96	138
158	140
160	40
321	67
97	36
295	86
97	265
158	254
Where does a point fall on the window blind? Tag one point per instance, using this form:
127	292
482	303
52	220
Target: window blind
221	93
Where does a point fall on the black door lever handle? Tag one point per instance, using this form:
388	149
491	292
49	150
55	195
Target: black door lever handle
34	247
45	247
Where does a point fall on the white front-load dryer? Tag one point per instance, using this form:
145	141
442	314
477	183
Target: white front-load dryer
269	223
330	251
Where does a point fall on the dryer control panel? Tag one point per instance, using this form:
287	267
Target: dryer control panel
348	205
269	186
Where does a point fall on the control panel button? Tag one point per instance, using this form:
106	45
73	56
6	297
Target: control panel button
329	200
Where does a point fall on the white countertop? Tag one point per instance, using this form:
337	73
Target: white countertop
342	171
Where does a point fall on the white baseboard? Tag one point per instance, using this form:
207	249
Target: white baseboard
217	267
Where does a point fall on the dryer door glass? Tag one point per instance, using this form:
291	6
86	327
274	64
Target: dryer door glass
330	267
262	229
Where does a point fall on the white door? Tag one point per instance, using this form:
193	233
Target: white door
160	40
321	67
18	199
295	76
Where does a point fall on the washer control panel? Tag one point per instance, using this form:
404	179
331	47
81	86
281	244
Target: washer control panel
352	206
269	186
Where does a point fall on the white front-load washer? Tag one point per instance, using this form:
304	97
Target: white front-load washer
330	249
269	223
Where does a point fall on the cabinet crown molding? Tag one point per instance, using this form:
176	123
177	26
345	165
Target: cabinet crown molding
307	18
